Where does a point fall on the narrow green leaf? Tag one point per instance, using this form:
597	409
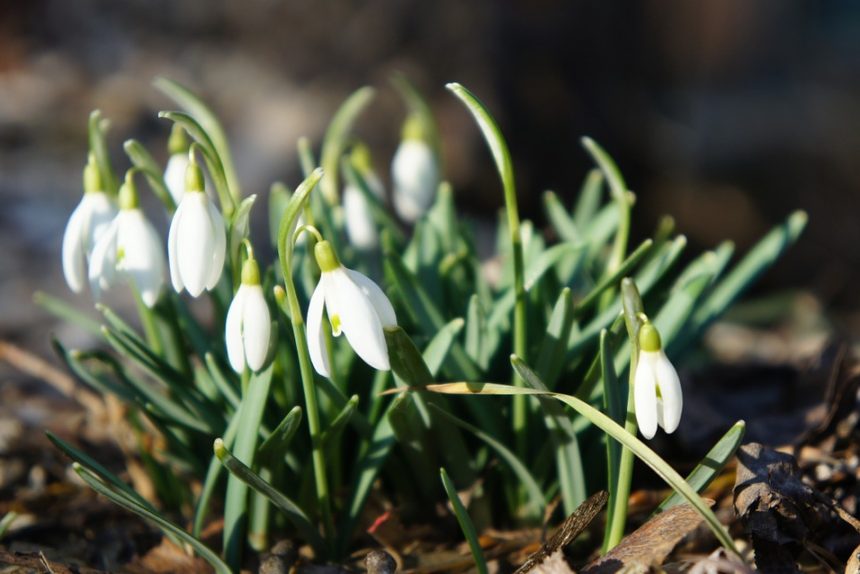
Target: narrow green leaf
210	482
711	464
611	280
211	157
335	140
476	332
536	502
607	425
6	523
274	448
759	258
336	426
198	109
225	388
440	345
66	312
589	198
290	509
561	221
414	441
245	447
120	498
558	329
465	523
279	197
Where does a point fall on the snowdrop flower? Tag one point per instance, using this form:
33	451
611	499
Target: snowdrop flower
197	242
177	163
656	387
360	227
414	172
88	222
248	325
356	307
129	248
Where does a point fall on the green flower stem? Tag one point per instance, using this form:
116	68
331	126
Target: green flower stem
504	165
285	247
616	519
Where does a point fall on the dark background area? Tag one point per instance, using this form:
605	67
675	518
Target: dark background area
726	114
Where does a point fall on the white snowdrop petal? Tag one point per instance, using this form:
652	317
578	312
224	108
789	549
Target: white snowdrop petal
415	176
219	247
103	261
172	251
194	243
74	269
645	397
144	258
360	226
256	327
316	340
377	298
358	319
670	390
174	176
233	331
101	211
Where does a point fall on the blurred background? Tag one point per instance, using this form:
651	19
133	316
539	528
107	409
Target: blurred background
726	114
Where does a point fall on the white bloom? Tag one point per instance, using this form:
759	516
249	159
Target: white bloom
415	177
129	248
174	175
356	306
248	325
360	226
197	242
656	386
88	222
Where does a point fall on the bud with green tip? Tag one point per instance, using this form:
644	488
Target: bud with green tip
249	323
414	171
360	227
356	307
177	163
656	386
197	241
130	248
88	222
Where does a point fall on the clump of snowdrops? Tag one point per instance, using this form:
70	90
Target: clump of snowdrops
374	359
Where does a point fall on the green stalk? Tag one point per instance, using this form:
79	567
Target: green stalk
499	149
616	519
305	369
148	321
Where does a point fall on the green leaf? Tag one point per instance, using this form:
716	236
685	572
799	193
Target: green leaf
239	226
6	523
377	208
711	464
66	312
250	414
207	119
536	502
274	448
290	509
291	217
439	346
210	482
607	425
336	426
414	441
558	329
98	127
334	143
561	221
118	497
476	333
279	197
589	198
624	269
465	523
759	258
142	160
211	157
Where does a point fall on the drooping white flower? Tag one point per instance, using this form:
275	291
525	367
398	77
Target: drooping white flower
656	386
129	249
177	163
87	223
248	325
414	172
356	307
360	226
197	241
